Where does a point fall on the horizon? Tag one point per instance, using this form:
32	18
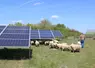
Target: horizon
75	14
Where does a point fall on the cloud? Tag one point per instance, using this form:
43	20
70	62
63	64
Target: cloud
17	21
54	16
26	3
38	3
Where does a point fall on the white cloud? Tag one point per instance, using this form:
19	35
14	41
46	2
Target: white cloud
26	3
54	16
38	3
17	21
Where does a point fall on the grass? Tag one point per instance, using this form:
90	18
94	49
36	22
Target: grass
43	57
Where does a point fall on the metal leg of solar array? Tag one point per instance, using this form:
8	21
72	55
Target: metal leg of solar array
29	42
61	34
52	33
39	34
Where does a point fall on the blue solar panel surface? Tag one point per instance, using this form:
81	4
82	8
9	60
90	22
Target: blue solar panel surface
10	42
17	31
1	28
57	33
17	28
45	34
15	36
34	34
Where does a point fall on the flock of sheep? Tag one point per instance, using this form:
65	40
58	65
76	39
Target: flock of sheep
63	46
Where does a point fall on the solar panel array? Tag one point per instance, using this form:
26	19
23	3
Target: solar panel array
20	36
15	36
45	34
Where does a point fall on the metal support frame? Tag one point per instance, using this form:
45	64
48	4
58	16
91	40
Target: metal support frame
52	33
39	34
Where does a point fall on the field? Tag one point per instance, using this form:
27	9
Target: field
43	57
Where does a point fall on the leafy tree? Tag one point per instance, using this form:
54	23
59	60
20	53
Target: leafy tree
18	24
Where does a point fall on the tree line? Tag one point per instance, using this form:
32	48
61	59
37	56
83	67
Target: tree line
46	24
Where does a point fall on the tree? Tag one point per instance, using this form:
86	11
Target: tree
45	24
18	24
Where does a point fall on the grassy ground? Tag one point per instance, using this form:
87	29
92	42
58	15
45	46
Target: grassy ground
43	57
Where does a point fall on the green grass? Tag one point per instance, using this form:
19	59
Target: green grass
43	57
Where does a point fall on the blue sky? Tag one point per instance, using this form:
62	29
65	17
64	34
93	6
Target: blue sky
76	14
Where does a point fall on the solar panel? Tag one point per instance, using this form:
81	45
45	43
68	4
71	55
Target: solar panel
57	33
34	34
1	28
17	28
46	34
17	31
13	43
15	36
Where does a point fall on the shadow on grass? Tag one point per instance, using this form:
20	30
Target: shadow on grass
15	54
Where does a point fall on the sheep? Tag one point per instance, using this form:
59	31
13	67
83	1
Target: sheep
55	41
52	44
75	47
37	43
59	46
32	42
79	43
46	42
65	47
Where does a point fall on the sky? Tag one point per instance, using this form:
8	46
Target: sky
75	14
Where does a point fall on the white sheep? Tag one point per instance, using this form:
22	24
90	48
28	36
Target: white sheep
32	42
55	41
59	46
46	42
75	47
65	47
37	43
79	43
52	44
